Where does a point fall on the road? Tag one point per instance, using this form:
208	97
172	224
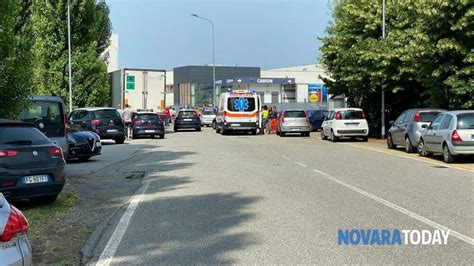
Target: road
264	199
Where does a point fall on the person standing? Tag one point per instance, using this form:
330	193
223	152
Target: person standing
167	116
127	119
264	119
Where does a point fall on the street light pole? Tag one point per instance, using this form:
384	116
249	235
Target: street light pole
69	53
213	56
383	88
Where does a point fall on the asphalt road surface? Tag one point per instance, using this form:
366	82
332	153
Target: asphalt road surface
246	199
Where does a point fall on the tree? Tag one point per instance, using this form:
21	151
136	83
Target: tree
425	60
15	63
90	31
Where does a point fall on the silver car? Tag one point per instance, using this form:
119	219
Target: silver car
406	129
451	133
293	121
207	118
15	248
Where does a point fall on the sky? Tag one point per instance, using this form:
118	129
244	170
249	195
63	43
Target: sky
162	34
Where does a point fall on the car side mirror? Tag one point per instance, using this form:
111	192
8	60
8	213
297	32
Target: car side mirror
424	126
391	122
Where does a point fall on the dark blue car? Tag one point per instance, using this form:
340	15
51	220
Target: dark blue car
147	124
316	118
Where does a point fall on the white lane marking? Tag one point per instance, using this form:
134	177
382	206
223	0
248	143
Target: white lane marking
398	208
284	157
301	164
109	251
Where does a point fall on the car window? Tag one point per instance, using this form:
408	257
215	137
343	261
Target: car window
436	122
241	104
330	115
187	114
465	121
446	122
401	117
208	113
81	114
27	134
408	116
146	117
352	114
295	114
48	115
106	113
428	116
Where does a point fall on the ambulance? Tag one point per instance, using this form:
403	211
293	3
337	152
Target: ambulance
238	111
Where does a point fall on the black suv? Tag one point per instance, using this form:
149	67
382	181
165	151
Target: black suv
187	119
105	121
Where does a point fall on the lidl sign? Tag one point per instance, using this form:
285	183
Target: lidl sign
317	93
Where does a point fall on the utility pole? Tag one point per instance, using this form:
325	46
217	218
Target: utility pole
69	52
383	87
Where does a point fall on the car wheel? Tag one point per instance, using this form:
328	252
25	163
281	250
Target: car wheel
333	137
447	156
223	132
422	149
323	137
214	124
218	130
84	159
365	139
408	146
282	134
119	141
175	129
162	136
198	129
47	199
390	144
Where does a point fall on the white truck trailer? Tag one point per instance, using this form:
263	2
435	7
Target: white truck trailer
140	88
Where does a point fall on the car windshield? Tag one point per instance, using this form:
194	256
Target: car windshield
466	121
295	114
146	117
187	114
47	115
22	135
352	114
241	104
106	113
428	116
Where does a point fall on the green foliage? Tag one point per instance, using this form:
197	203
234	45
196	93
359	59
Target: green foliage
15	64
425	60
90	31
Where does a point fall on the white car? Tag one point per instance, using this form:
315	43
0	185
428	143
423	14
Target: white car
15	248
451	134
345	122
207	117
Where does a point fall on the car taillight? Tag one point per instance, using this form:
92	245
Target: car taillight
7	153
363	115
56	151
95	122
136	122
455	136
417	117
338	115
16	224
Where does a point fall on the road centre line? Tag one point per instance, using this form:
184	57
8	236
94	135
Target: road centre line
114	241
398	208
409	157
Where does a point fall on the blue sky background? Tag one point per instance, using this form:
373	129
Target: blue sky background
267	33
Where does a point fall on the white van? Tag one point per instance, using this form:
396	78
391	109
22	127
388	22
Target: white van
238	111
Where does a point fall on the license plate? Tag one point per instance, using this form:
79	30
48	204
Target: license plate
149	131
352	124
111	130
235	125
35	179
295	129
187	120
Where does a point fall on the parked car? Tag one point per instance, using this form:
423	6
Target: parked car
293	121
316	118
406	129
187	118
48	113
450	133
15	249
31	166
207	117
345	122
147	124
83	145
104	121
